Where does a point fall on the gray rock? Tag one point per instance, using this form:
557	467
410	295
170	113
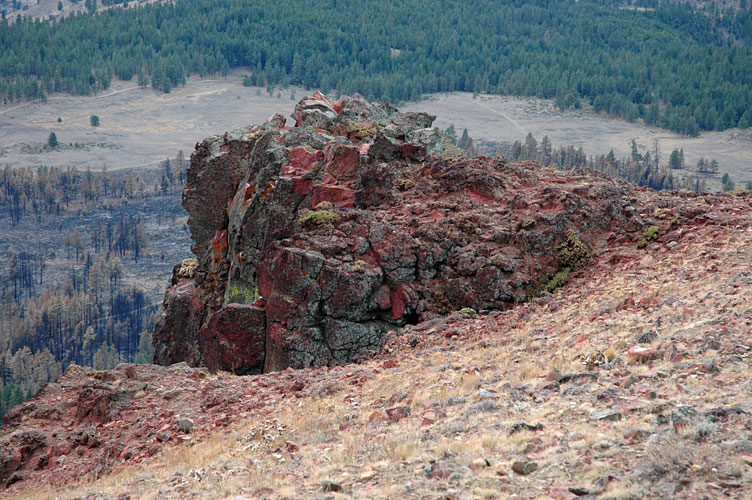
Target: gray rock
331	486
610	416
185	424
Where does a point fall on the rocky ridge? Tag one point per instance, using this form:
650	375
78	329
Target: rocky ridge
313	241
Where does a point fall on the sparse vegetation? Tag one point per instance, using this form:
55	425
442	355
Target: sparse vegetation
572	253
478	404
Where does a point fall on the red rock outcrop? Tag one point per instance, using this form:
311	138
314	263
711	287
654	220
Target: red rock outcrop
350	224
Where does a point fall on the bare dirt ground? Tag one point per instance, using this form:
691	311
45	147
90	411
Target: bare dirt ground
141	127
506	119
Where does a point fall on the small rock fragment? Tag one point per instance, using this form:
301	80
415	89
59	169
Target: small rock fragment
639	354
398	413
331	486
524	467
185	424
439	471
610	416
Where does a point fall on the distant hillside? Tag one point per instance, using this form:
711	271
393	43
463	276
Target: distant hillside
669	65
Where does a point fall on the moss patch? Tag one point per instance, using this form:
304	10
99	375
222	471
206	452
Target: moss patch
571	255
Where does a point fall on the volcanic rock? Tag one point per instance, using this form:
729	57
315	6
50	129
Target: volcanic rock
351	224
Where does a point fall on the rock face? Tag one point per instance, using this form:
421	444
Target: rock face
313	241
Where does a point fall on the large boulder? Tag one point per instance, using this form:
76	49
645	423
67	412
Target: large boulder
313	241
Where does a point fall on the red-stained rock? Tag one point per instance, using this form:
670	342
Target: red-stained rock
18	449
342	161
95	403
339	196
302	186
233	339
277	120
212	182
398	413
640	354
305	160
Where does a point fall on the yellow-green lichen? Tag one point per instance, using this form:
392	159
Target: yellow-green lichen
362	130
319	217
240	293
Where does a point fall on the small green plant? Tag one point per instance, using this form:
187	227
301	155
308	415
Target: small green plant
559	280
319	217
359	266
572	253
94	120
649	234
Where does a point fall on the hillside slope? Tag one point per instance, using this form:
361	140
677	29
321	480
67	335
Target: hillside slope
632	381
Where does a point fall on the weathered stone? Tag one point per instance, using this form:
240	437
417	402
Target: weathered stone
610	416
176	329
233	339
639	354
524	467
342	161
185	425
18	450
